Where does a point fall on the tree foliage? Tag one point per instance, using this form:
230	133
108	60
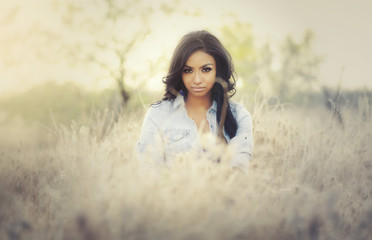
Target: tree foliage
299	67
290	69
101	34
239	41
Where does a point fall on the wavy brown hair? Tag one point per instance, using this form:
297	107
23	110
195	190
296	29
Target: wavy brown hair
204	41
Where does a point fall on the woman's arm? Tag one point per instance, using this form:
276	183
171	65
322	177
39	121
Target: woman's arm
242	143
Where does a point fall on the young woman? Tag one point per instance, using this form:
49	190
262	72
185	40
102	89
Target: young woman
199	83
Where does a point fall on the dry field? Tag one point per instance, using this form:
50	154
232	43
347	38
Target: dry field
309	178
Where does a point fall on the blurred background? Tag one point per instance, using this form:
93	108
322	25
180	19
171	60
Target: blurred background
76	78
64	60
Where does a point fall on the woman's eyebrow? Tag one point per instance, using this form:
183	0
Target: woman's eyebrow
207	64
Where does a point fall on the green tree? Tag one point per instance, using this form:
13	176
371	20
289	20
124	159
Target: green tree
239	41
291	69
102	34
299	67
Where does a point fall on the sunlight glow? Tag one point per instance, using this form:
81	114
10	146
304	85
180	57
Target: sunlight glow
30	59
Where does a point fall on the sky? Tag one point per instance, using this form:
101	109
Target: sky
342	27
342	30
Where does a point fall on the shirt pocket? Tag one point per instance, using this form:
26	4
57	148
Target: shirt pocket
176	140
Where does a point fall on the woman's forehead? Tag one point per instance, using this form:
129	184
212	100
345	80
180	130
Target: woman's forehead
199	58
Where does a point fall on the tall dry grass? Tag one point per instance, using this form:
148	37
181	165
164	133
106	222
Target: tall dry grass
309	178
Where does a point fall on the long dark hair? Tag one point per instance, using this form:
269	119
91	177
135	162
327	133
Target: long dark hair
205	41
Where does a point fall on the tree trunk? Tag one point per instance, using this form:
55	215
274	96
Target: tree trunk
124	94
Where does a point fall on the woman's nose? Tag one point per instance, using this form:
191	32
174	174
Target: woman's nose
197	78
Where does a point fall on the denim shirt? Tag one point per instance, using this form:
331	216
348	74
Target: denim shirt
168	131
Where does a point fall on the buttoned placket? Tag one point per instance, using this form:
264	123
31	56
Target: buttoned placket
210	120
194	129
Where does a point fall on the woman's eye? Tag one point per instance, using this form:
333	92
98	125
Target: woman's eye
187	70
208	69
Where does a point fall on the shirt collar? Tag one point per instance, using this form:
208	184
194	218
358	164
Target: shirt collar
180	101
214	106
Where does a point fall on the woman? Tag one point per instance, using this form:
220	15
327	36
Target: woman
199	83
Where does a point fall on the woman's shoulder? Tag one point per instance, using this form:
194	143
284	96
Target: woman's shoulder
238	109
160	112
160	106
235	106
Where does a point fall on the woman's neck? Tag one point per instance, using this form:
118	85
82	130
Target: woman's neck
198	103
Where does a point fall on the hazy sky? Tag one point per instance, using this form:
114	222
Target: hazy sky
343	32
342	28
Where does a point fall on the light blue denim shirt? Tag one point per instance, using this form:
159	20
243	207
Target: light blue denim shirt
168	131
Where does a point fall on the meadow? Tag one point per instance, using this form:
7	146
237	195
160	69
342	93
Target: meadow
309	178
68	166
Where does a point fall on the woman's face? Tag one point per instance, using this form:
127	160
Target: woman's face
199	74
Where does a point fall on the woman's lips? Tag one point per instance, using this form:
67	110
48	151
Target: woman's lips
198	89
